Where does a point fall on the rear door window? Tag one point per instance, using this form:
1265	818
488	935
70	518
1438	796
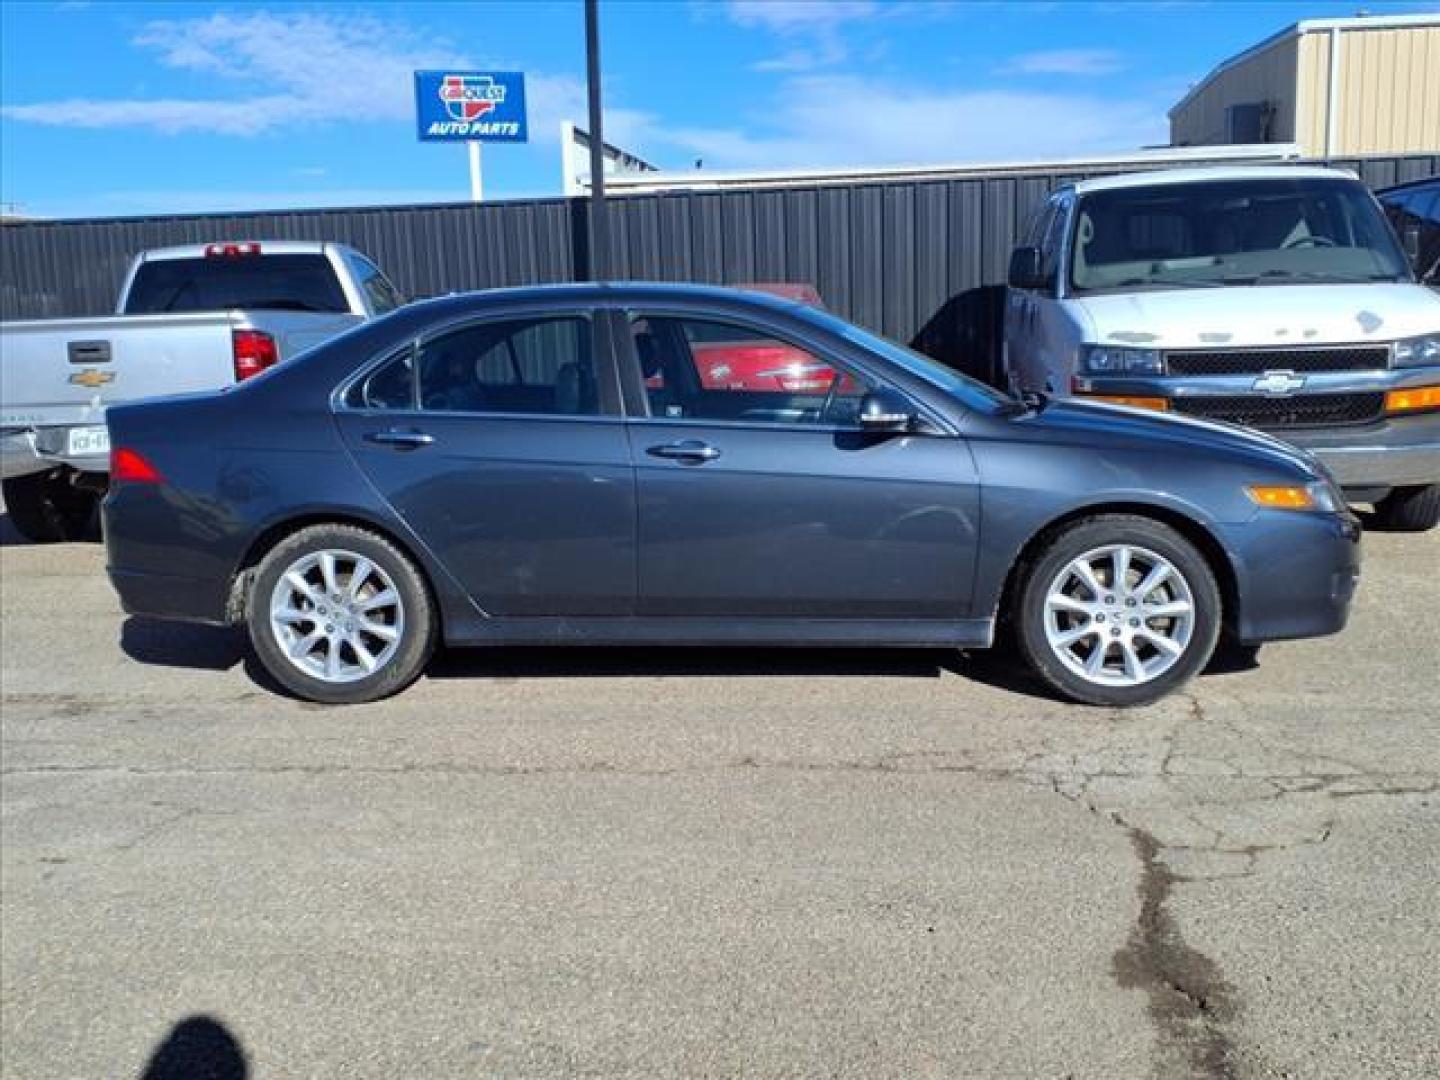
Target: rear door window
540	366
219	283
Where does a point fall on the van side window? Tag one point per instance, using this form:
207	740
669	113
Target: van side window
1053	239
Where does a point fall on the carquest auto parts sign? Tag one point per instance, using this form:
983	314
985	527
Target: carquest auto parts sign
470	106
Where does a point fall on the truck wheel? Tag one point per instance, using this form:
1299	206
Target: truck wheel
341	616
1118	610
46	508
1409	509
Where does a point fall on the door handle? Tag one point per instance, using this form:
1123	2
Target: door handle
691	450
401	440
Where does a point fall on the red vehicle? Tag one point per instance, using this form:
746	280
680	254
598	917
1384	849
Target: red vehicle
739	361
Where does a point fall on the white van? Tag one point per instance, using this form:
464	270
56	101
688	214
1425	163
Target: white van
1276	297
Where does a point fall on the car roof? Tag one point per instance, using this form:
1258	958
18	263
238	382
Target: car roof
1209	173
267	247
608	292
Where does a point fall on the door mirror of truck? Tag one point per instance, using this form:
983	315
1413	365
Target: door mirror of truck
1410	238
1026	269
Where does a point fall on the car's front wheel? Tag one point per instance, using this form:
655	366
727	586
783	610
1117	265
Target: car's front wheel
1118	610
339	615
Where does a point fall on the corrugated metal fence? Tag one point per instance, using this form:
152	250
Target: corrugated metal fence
919	261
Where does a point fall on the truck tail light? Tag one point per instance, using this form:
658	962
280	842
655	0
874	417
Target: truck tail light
132	467
254	352
231	251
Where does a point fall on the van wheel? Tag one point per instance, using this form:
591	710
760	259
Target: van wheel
46	508
1118	610
339	615
1408	509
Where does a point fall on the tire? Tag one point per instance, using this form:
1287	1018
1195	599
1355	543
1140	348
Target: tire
1060	620
1409	509
295	642
46	508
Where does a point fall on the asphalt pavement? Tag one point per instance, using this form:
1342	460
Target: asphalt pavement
713	864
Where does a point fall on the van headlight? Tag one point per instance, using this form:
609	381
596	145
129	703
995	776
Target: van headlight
1115	360
1418	351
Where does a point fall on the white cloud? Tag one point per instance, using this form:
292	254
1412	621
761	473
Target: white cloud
847	120
291	70
813	24
788	16
1064	62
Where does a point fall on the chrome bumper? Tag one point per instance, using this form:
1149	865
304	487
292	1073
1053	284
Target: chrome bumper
33	450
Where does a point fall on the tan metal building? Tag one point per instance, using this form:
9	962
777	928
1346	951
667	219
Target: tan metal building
1334	87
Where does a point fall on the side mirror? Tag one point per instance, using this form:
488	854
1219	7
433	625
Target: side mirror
1026	269
885	410
1410	239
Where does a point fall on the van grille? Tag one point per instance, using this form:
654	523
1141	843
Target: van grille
1258	361
1281	414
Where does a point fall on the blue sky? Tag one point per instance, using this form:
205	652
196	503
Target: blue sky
132	108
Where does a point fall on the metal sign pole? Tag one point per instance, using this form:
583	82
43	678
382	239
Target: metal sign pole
477	189
599	228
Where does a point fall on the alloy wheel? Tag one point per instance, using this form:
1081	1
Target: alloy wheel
1119	615
336	615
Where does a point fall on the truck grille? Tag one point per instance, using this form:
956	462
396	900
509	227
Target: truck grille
1258	361
1280	414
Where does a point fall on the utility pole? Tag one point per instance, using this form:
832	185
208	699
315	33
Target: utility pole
599	227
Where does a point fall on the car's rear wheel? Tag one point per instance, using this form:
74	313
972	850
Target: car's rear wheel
1118	610
339	615
1410	509
46	508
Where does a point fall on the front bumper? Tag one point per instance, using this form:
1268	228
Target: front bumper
1296	574
1399	452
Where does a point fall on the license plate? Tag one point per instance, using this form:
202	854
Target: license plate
87	441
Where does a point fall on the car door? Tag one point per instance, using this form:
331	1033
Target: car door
772	502
499	442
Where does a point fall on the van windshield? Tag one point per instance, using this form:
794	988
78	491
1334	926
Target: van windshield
1232	232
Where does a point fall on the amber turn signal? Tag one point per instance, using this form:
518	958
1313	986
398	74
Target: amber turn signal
1282	498
1159	404
1413	400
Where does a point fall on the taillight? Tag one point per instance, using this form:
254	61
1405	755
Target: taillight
131	466
231	251
254	352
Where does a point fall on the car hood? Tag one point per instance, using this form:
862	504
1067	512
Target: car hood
1097	425
1239	316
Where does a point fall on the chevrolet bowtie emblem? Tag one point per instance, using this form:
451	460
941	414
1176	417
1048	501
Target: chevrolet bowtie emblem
92	378
1278	383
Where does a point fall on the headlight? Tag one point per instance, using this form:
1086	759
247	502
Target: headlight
1112	360
1320	497
1418	351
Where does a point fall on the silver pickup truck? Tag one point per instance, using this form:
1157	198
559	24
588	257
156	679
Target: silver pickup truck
197	317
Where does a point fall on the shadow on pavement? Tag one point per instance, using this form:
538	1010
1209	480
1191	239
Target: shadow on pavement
198	1048
210	648
187	645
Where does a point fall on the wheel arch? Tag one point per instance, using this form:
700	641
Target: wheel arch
266	540
1191	528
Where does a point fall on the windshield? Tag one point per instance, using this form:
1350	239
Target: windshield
918	364
1232	232
276	282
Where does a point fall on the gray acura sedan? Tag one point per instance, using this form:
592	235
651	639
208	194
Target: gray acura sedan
553	466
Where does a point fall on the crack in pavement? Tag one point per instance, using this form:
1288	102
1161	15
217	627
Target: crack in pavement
1190	1002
